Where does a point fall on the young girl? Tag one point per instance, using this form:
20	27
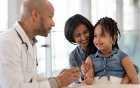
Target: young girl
77	31
109	63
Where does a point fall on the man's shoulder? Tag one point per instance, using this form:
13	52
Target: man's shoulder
8	31
8	35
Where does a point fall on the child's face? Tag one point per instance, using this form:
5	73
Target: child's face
103	42
81	36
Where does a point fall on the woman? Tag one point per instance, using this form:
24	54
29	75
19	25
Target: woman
77	31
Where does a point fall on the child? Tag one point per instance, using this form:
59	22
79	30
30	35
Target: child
109	63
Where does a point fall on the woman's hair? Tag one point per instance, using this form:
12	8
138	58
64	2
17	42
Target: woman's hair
110	26
72	23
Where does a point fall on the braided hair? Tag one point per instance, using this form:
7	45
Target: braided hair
110	26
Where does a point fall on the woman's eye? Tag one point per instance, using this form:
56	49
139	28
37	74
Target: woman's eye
86	31
76	35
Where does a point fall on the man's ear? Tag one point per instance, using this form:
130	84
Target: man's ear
35	14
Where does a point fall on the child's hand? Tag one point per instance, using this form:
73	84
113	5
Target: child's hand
89	81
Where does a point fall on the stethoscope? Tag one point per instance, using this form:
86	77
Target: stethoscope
22	40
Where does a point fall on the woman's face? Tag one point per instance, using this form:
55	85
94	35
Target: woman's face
81	36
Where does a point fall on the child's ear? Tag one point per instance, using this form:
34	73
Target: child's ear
114	38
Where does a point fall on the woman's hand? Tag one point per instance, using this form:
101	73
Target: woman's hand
85	67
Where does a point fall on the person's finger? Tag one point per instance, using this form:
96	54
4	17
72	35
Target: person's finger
89	65
84	70
82	67
62	71
83	62
88	81
75	72
74	69
75	77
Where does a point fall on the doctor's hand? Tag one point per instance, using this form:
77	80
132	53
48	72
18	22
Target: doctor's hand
67	76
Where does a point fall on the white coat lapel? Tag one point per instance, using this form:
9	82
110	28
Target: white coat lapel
29	48
24	38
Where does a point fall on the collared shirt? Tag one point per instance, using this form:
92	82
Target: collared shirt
109	66
52	81
76	57
33	41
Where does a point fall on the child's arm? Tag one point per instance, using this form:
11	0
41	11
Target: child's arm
89	76
130	71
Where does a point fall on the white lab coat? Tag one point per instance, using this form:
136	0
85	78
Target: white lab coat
17	64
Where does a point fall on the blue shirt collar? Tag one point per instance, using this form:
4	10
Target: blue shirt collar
33	41
81	52
99	54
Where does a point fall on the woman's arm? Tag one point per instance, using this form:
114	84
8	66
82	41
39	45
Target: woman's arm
126	80
130	71
72	62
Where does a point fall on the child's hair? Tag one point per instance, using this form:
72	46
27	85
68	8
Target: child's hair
72	23
110	26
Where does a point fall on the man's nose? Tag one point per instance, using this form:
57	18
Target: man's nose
53	23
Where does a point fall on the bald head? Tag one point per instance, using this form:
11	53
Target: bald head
29	5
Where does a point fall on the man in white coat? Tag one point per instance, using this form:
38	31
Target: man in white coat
18	49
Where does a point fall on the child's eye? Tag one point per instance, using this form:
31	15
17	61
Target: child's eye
95	36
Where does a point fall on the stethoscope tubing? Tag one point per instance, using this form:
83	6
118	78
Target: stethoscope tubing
22	39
